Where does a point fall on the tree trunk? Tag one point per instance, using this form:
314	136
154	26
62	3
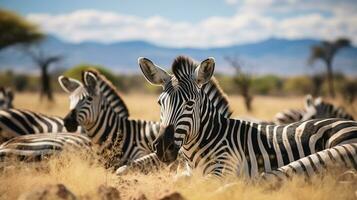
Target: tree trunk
330	79
46	84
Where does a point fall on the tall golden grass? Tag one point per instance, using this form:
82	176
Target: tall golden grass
83	176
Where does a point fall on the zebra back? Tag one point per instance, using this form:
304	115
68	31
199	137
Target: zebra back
322	109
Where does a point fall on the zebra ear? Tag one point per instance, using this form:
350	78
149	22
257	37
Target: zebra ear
68	84
9	93
204	72
309	101
318	100
90	80
153	73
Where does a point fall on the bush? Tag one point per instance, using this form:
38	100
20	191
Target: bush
299	85
269	84
76	72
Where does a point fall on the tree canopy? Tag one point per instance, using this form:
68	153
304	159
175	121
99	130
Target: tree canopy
16	30
76	72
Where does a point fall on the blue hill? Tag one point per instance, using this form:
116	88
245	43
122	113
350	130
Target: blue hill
273	56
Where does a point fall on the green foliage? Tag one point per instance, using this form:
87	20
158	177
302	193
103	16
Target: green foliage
300	85
20	82
268	84
16	30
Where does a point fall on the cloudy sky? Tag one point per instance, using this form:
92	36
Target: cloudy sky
197	23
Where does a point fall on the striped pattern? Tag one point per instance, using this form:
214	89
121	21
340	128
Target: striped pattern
314	109
343	155
16	122
220	146
138	134
38	147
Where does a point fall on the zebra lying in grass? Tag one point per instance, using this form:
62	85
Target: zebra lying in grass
134	137
37	147
138	134
17	122
219	146
6	98
314	109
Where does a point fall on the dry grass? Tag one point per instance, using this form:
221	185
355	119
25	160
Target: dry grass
83	177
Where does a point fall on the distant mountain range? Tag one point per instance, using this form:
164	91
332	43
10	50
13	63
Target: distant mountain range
271	56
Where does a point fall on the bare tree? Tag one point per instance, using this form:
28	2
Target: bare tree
243	80
326	52
44	62
317	80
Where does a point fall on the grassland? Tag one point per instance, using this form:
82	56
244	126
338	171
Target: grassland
83	177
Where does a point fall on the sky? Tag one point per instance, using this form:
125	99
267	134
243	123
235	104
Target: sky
195	23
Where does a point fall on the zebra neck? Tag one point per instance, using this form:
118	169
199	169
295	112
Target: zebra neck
212	131
138	136
106	128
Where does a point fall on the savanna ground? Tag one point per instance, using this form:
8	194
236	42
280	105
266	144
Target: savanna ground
83	177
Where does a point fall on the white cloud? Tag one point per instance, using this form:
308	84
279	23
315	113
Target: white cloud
251	23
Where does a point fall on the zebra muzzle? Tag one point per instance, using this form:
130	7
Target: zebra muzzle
70	122
165	146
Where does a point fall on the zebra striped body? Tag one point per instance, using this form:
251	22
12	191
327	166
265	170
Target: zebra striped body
308	166
218	146
36	147
16	122
314	109
137	135
289	116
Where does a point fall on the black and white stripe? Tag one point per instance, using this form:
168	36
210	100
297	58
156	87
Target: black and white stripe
218	146
17	122
104	127
314	109
37	147
138	134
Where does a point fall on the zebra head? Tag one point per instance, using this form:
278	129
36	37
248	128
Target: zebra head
85	100
180	102
6	98
318	108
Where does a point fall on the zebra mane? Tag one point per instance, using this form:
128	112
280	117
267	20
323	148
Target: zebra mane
111	93
184	67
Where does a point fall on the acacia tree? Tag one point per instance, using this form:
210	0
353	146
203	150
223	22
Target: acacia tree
44	62
243	80
326	52
16	30
317	80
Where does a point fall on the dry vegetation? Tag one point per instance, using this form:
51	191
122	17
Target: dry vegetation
83	177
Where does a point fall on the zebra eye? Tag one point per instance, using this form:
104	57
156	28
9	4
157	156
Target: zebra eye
90	98
190	103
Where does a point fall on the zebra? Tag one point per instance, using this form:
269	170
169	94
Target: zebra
314	109
6	98
136	144
219	146
17	122
37	147
89	109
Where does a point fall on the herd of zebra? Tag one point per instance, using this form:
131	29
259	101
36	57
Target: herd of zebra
195	127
